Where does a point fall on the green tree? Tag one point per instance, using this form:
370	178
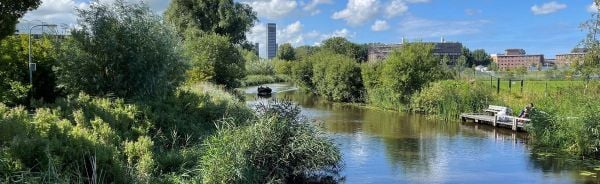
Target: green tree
14	77
336	77
305	51
480	57
460	64
467	53
341	45
409	69
223	17
591	61
11	11
121	49
286	52
215	59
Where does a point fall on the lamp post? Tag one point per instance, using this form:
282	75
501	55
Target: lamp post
31	64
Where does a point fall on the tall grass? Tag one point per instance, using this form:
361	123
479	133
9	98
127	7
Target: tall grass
448	99
278	147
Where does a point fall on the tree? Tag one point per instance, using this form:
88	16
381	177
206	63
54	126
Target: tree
14	78
467	53
336	77
480	57
409	69
340	45
591	60
461	62
121	49
223	17
216	60
305	51
11	11
286	52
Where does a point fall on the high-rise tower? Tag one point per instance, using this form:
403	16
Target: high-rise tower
271	40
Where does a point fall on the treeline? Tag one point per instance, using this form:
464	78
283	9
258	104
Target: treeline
130	97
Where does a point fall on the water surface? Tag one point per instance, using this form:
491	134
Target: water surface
392	147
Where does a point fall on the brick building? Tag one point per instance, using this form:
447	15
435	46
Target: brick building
516	58
565	60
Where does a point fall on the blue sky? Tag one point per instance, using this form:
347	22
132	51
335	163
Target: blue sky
538	26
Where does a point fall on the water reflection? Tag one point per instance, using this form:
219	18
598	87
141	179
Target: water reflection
391	147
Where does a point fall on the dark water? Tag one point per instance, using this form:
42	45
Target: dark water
391	147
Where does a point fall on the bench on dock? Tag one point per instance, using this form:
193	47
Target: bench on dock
491	117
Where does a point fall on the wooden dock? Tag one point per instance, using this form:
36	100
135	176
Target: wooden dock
515	123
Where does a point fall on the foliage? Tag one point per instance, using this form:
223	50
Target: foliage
305	51
278	147
14	76
260	67
340	45
215	59
254	80
249	56
302	74
448	99
223	17
404	72
121	49
283	67
286	52
336	77
480	57
11	12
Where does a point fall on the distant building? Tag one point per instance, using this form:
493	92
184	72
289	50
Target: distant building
517	58
271	40
453	51
565	60
256	49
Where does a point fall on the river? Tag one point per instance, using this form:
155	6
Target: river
392	147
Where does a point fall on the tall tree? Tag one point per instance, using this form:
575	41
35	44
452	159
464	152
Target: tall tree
480	57
286	52
11	11
467	53
223	17
305	51
591	62
340	45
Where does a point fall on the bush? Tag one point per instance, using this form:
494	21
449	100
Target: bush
214	59
448	99
14	76
260	67
302	73
283	67
277	147
123	50
392	82
254	80
336	77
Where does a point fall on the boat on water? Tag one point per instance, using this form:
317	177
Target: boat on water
264	91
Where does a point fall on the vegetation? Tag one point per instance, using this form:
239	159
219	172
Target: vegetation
286	52
336	77
11	12
279	147
391	83
14	79
142	61
222	17
447	99
340	45
215	59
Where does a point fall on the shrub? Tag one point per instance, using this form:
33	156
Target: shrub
336	77
121	49
302	73
277	147
448	99
215	59
283	67
260	67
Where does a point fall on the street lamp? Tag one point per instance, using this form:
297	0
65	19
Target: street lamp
32	65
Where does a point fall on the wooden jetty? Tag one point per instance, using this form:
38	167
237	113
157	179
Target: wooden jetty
490	117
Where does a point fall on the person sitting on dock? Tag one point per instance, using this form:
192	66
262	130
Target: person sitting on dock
525	112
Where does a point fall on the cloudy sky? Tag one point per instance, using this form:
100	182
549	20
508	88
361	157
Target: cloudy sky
539	26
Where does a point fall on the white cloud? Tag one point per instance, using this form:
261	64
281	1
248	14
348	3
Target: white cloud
547	8
358	12
418	1
291	33
396	7
380	25
592	8
312	5
415	27
272	9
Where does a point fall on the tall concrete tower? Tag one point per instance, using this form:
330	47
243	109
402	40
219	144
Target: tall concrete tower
271	40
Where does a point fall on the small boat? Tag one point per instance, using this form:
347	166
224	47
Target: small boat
264	91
